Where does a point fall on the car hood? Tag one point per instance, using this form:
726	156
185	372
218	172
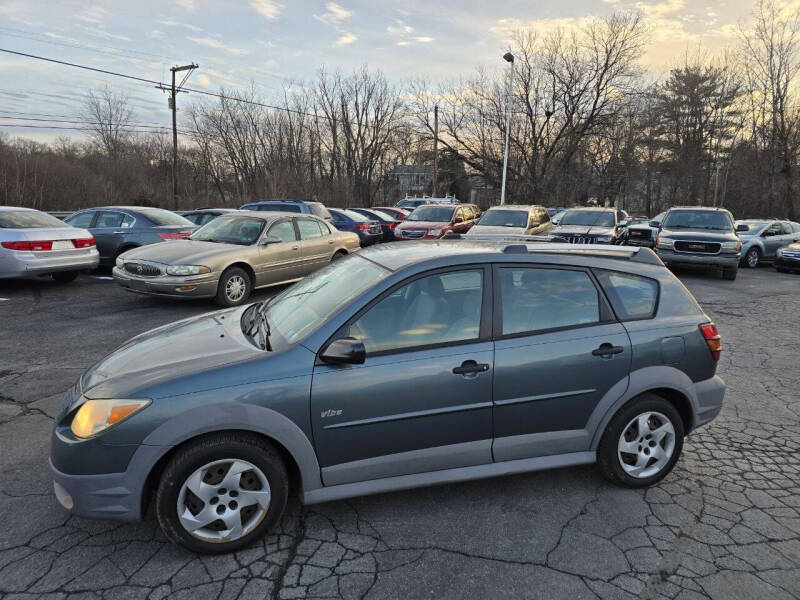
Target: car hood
496	229
182	252
699	235
583	230
422	224
179	349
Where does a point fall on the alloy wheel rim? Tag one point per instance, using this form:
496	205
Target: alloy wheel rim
752	258
235	287
224	500
646	444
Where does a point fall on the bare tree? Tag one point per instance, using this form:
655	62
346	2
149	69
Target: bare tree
109	117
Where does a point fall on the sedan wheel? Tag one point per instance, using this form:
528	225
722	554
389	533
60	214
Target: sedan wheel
224	500
646	445
234	287
752	258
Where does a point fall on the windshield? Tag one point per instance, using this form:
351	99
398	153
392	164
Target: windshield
752	226
698	219
24	219
439	214
230	230
302	308
588	217
159	216
505	218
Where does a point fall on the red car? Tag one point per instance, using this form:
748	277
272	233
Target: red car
398	213
432	221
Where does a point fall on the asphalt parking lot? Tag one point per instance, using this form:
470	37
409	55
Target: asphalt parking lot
724	524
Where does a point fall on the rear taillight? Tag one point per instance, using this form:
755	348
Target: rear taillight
84	242
174	236
35	246
712	338
391	225
363	226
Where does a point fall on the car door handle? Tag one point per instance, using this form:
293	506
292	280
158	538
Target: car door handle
607	350
117	232
469	367
330	241
295	247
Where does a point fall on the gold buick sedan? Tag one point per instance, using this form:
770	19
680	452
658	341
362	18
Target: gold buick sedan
233	255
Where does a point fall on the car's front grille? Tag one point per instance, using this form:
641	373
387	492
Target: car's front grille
578	239
142	269
642	234
413	233
791	254
698	247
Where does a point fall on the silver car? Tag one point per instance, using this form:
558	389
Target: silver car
761	239
233	255
35	243
512	220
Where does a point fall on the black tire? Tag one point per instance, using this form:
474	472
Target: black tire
729	274
226	445
338	254
224	294
607	450
752	258
65	276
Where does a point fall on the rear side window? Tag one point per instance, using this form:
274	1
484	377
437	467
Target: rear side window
82	220
114	219
292	208
539	299
632	296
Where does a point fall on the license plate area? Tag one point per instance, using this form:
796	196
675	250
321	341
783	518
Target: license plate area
63	245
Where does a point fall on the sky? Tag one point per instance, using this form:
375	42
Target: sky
265	43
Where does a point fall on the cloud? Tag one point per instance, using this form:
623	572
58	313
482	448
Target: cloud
267	8
401	31
170	23
217	45
93	14
345	39
423	39
334	14
611	1
187	4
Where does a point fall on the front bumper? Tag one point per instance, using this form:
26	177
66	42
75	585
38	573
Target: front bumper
709	394
788	264
697	259
195	286
22	264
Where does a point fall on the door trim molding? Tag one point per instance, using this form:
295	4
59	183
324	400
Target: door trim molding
522	399
410	415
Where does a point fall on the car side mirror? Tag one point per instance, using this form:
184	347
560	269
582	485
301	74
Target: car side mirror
345	351
624	223
655	224
270	239
742	228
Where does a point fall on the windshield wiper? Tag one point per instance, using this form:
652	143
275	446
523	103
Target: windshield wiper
259	326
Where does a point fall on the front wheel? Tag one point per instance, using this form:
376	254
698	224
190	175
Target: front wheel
234	287
729	274
752	258
222	493
642	443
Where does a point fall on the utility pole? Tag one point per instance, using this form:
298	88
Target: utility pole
435	150
509	58
173	104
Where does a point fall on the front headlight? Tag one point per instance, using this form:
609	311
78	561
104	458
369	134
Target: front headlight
662	242
120	263
732	246
187	270
435	232
95	416
779	252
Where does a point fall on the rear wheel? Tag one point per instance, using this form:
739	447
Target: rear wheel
65	276
752	258
338	255
729	274
234	287
642	443
222	493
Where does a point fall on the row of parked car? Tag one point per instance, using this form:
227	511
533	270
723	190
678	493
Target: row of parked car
226	253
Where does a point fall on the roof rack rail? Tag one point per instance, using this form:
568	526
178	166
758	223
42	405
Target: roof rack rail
638	254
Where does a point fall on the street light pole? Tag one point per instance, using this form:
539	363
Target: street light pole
508	57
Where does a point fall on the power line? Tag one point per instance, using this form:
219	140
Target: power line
33	114
84	122
164	131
